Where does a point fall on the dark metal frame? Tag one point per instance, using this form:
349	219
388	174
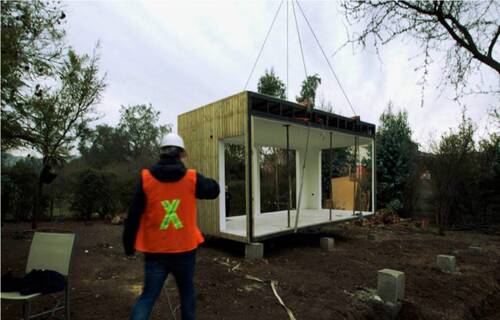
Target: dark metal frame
290	112
250	164
289	174
330	163
355	184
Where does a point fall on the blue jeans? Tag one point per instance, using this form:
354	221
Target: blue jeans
157	267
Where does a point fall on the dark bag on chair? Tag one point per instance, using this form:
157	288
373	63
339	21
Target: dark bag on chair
42	281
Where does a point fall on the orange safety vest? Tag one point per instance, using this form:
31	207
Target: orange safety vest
168	223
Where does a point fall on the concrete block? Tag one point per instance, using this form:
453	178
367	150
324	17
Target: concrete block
326	243
254	251
391	310
446	263
391	285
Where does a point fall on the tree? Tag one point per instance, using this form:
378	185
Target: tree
103	146
139	124
32	45
52	119
55	118
487	186
308	90
396	159
272	85
92	192
18	189
48	91
452	171
465	31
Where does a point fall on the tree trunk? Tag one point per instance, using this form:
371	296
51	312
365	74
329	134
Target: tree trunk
38	203
51	209
439	217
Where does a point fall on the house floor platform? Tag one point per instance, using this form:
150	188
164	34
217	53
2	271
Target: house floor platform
269	224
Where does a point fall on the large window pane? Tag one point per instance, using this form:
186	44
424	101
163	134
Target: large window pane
364	192
234	156
274	184
339	192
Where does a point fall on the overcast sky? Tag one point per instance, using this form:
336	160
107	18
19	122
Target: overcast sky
179	55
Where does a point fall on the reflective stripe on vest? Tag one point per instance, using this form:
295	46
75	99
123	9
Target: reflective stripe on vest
171	215
168	223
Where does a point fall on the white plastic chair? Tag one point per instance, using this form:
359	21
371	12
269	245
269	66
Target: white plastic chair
49	251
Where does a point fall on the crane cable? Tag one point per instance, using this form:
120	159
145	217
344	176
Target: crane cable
326	58
300	40
306	74
299	202
356	139
263	44
287	64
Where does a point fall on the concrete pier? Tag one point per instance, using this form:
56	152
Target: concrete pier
391	285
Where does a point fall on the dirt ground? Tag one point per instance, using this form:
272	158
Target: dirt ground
312	283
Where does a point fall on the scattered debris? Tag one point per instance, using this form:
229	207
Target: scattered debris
235	267
475	250
249	277
273	286
381	218
367	295
232	265
118	219
252	287
135	289
104	245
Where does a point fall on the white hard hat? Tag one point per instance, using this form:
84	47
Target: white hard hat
172	140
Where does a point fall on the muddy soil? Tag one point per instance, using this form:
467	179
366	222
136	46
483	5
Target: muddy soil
312	283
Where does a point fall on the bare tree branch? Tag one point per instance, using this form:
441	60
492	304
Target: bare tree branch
493	42
460	30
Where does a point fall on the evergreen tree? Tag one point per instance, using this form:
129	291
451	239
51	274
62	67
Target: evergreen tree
272	85
308	90
396	159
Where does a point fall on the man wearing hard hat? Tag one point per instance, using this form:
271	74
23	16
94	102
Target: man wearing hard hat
162	224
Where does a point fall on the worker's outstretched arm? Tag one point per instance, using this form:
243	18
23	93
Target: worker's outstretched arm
134	218
206	188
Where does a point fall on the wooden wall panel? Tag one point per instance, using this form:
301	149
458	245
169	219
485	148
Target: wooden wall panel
201	130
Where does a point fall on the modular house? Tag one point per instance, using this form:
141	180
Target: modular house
326	163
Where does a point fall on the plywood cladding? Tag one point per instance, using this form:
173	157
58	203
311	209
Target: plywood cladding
202	129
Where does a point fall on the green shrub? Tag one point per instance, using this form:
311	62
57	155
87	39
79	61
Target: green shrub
93	191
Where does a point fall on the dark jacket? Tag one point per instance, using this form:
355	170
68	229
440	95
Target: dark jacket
166	170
